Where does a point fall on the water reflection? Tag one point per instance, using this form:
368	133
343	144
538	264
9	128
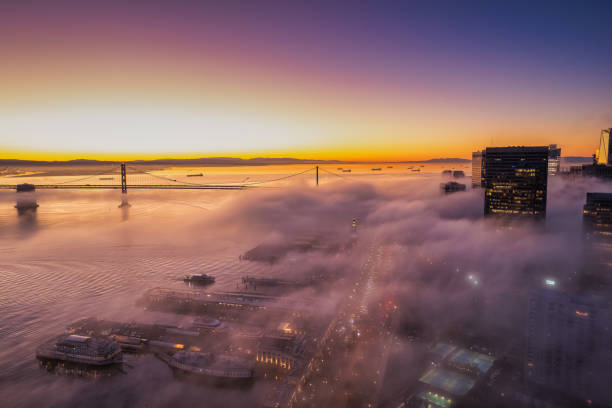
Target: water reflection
125	208
27	216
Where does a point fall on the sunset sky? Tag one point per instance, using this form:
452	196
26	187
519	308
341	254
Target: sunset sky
330	80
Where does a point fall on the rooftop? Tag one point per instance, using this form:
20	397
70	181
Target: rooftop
447	380
467	358
443	350
435	400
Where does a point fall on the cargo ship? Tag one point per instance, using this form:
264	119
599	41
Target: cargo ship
195	175
218	368
202	279
85	350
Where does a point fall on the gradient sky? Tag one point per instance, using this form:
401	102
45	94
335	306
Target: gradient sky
379	80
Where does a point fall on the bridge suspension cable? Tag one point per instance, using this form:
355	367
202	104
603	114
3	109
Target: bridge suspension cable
87	177
278	179
335	174
250	183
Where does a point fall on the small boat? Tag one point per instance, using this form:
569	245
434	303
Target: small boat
346	171
416	170
339	168
202	279
195	175
389	167
376	169
79	349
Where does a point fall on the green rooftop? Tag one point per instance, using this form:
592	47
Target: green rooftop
448	380
471	359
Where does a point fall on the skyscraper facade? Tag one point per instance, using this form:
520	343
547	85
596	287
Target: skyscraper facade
569	344
478	168
604	156
597	216
515	181
554	159
597	225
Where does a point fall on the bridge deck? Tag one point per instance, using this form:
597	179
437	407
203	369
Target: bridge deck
130	187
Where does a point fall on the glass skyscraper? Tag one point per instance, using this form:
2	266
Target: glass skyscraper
478	168
554	159
604	155
515	181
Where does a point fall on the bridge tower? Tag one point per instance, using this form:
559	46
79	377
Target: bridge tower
124	200
123	179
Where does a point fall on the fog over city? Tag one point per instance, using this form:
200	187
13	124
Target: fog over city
453	276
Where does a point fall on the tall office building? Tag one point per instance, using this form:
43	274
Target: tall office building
597	216
604	156
597	225
554	159
478	168
569	345
516	180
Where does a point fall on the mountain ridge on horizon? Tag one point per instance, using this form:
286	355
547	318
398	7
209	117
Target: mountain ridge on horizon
220	161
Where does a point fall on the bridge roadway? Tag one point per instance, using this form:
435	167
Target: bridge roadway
134	186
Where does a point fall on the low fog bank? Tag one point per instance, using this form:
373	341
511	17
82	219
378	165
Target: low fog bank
455	276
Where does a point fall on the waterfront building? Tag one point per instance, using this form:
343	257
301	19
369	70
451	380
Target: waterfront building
569	345
554	159
604	156
515	181
478	168
281	352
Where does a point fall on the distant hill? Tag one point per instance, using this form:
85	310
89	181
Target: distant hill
442	160
209	161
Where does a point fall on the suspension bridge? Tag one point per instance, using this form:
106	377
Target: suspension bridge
142	179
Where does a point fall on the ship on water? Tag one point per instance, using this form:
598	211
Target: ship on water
79	349
377	169
201	279
195	175
216	367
